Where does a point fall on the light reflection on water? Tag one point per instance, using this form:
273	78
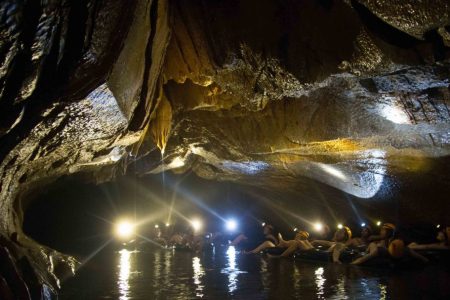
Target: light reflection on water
297	277
124	274
341	292
198	273
373	288
383	292
320	281
231	270
232	274
225	274
157	268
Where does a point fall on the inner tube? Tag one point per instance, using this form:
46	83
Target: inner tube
182	248
347	256
437	256
275	250
314	255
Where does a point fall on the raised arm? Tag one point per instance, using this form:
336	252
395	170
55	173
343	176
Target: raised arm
418	256
434	246
373	252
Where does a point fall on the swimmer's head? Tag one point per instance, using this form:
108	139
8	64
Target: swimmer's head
387	230
343	234
302	235
366	231
267	228
441	236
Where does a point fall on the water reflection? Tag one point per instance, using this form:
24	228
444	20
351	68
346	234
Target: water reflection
383	292
320	282
297	278
265	279
124	274
231	270
157	268
126	265
373	288
198	274
232	274
181	275
341	292
167	271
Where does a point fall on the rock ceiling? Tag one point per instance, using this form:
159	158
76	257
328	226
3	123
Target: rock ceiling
267	93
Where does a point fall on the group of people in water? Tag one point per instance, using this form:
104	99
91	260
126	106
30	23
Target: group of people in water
387	243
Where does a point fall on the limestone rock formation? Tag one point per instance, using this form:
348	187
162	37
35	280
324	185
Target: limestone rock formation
273	94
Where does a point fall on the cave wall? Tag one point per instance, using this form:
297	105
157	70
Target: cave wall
274	94
57	114
281	99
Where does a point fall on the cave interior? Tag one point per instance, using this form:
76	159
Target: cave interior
288	110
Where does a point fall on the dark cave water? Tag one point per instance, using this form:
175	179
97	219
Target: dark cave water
224	273
81	223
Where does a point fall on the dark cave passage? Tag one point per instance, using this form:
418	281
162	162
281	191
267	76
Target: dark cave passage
75	217
123	122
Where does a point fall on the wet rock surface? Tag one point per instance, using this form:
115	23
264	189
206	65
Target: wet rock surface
273	94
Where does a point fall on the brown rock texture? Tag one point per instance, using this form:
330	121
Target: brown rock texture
272	94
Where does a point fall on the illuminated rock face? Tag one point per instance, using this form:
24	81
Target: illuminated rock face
272	94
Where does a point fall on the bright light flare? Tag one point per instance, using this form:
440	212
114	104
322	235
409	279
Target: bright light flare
115	154
438	226
167	224
196	224
295	229
379	223
178	162
156	226
333	171
340	226
318	226
394	114
124	229
231	225
363	224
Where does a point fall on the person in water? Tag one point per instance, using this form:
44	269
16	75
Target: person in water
337	244
250	236
341	237
361	242
387	246
324	234
270	239
176	239
299	243
442	242
378	247
324	239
